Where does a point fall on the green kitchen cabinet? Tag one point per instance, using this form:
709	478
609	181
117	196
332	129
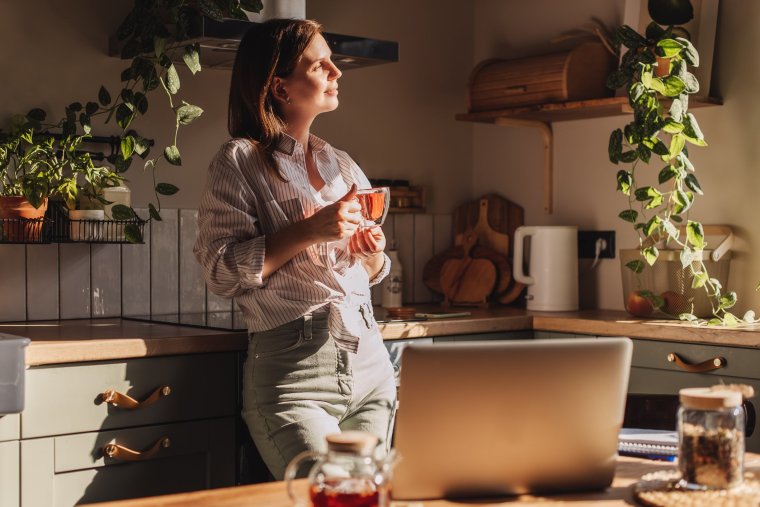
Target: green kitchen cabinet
109	430
653	372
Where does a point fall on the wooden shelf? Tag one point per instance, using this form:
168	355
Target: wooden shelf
576	110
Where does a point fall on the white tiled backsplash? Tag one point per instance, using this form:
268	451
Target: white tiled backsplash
161	276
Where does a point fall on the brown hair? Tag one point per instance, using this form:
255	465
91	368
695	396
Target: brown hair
268	49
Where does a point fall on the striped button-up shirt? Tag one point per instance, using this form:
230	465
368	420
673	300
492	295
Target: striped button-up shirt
243	202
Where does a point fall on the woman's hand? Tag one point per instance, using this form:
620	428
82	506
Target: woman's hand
367	242
337	221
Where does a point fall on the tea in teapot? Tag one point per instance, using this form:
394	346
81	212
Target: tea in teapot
348	475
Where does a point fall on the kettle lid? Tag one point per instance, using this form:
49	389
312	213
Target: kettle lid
357	442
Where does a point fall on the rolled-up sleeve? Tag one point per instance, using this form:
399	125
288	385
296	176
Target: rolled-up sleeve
383	272
230	245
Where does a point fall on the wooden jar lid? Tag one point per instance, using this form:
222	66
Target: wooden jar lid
358	442
705	398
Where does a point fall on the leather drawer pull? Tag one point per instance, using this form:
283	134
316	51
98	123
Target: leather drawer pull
715	363
120	400
122	453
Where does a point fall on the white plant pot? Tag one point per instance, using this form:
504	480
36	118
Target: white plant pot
86	224
294	9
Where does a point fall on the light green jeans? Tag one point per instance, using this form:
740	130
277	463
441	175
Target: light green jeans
299	387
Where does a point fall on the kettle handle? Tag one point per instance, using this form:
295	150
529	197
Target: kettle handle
290	474
517	261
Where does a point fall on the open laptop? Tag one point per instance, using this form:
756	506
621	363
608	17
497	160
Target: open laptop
511	417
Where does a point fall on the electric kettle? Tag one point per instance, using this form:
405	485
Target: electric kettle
553	267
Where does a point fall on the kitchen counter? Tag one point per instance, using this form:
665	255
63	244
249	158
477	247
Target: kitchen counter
273	494
55	342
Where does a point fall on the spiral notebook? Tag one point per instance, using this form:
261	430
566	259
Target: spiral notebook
662	444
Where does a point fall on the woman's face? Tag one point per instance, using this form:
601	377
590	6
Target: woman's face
312	87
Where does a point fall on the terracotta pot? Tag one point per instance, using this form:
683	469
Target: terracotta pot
22	222
663	67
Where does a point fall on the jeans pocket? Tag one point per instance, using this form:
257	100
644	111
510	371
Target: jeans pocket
272	343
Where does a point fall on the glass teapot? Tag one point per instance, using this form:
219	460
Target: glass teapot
348	475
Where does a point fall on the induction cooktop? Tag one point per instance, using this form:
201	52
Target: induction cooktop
223	320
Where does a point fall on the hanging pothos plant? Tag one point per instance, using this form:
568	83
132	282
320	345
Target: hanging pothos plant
152	32
655	73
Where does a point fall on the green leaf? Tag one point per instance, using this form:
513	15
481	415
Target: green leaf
699	280
624	182
677	142
629	37
186	113
689	53
690	82
730	320
644	153
84	121
122	212
210	9
669	48
172	155
636	266
693	184
142	145
682	202
749	317
673	86
670	229
36	114
192	58
166	189
676	110
124	116
728	300
251	5
616	79
75	106
652	226
672	127
695	234
127	96
172	80
629	156
159	44
647	79
122	164
692	131
103	96
128	74
666	173
629	215
154	213
150	79
650	254
132	233
91	108
127	146
659	148
615	148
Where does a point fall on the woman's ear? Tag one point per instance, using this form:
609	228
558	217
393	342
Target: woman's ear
278	90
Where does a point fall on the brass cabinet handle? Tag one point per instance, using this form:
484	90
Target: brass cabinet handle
715	363
120	400
122	453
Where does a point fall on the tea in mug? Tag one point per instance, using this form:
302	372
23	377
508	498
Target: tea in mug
374	203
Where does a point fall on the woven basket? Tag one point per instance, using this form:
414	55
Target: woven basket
669	280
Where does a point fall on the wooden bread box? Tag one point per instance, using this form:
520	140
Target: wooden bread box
577	74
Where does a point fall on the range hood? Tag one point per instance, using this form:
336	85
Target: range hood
219	42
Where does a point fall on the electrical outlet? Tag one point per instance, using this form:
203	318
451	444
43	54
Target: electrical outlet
587	244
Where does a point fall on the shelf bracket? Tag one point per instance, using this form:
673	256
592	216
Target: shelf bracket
546	130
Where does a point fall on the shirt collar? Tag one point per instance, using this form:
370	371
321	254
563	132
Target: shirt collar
287	144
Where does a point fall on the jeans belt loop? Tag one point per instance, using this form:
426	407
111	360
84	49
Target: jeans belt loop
307	326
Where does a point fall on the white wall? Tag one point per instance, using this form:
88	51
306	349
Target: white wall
509	160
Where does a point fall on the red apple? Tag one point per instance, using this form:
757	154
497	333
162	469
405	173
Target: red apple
675	303
638	305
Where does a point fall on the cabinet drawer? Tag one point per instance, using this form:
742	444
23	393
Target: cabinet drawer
739	362
9	427
68	399
71	469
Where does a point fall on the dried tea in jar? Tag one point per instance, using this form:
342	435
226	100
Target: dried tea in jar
711	438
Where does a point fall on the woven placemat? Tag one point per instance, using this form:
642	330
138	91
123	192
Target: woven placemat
660	489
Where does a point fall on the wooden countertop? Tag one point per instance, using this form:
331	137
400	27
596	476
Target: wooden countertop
108	339
273	494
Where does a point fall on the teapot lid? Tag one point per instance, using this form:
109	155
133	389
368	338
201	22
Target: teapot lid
357	442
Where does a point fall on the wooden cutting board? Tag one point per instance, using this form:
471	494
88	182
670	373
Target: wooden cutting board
431	274
467	281
494	220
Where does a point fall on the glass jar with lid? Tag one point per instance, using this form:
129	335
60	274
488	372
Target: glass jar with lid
710	438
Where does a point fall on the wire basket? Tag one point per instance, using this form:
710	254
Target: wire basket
23	230
667	279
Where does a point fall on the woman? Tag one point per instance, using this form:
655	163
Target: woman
279	230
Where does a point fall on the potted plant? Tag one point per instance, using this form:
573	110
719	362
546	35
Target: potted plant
40	160
655	73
